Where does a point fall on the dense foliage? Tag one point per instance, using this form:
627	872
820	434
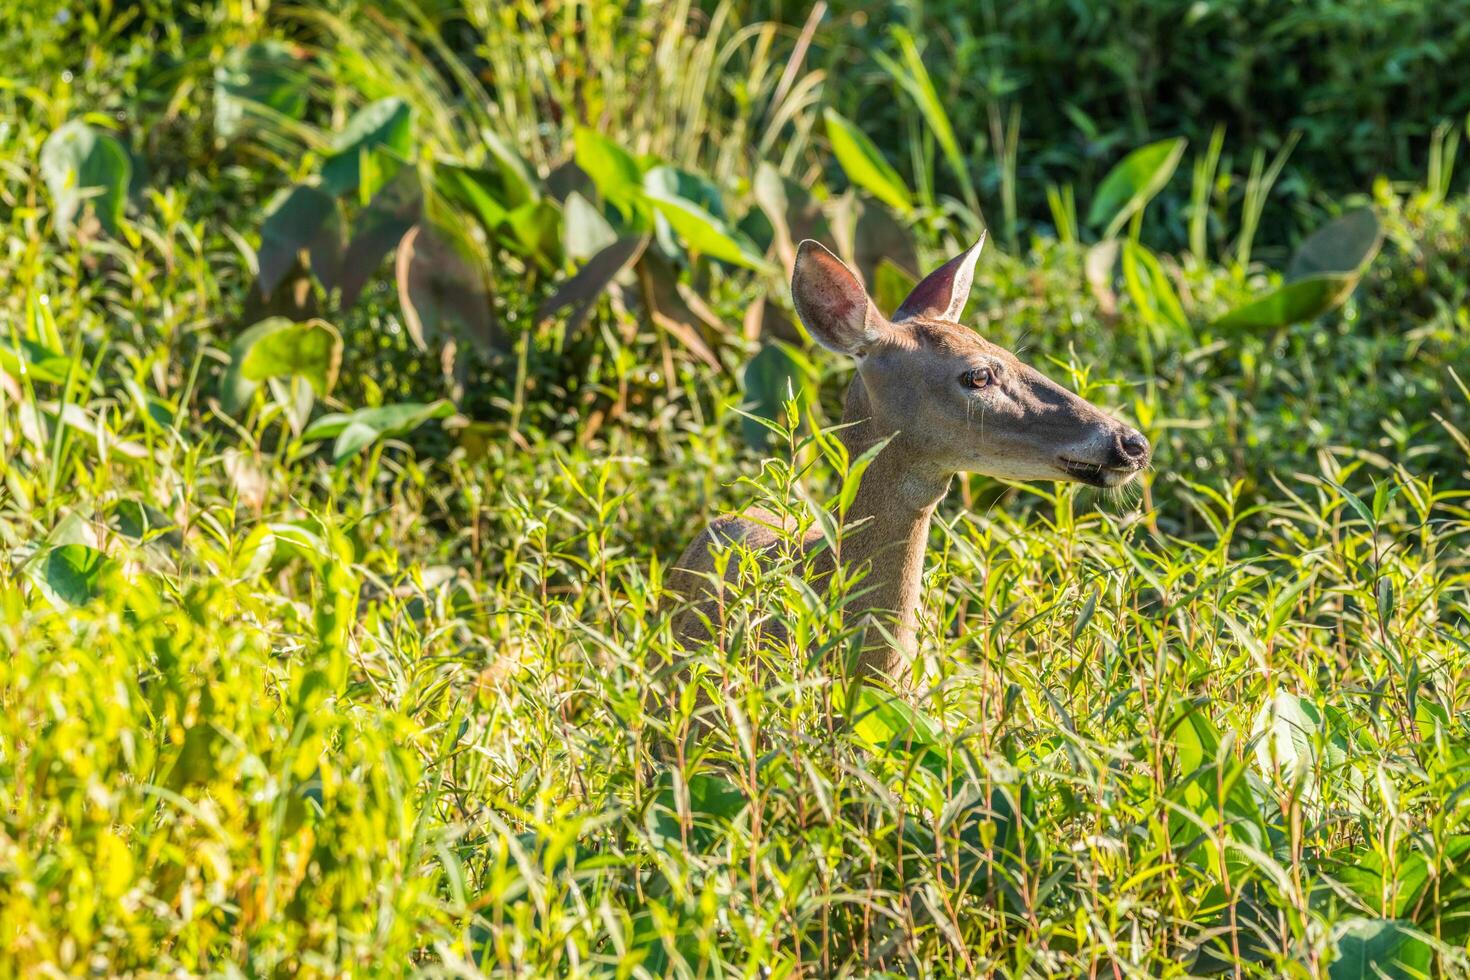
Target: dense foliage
364	366
1361	85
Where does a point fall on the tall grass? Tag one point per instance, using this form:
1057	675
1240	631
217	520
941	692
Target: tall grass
270	711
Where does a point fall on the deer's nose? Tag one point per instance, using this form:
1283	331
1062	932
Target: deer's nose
1133	446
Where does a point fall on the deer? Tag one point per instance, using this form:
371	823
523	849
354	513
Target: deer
941	400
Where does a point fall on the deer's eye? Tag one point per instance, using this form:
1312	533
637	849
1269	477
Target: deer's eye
976	378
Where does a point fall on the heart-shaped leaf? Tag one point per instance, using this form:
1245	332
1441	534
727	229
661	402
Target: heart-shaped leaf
85	168
265	78
442	292
864	164
357	430
70	575
1379	949
1343	246
386	122
300	218
280	348
1131	184
1323	272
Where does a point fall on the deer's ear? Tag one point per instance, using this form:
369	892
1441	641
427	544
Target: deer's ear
943	293
831	301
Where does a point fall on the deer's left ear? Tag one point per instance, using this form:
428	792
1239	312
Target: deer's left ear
943	293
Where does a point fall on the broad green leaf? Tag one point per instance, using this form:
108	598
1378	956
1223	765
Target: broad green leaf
442	291
517	182
755	226
1323	273
379	167
1287	730
1295	302
300	218
35	360
705	234
1379	949
1131	184
70	575
886	720
613	170
143	522
265	78
477	191
671	182
584	231
712	803
1211	785
378	229
280	348
386	122
533	231
864	163
357	430
253	555
1195	740
1343	246
296	540
85	169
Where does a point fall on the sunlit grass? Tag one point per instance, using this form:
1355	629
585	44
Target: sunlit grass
267	710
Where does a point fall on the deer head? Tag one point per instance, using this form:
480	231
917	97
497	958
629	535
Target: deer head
950	400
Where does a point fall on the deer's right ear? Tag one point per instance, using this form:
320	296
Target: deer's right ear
832	303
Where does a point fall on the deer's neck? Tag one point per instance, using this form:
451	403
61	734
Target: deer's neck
894	504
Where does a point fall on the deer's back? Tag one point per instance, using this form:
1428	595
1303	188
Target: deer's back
691	580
